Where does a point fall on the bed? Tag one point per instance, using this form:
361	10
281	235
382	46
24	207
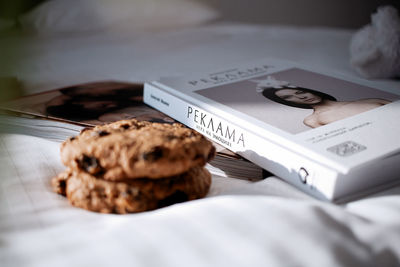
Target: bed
239	223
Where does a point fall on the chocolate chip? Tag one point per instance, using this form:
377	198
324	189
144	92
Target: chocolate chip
153	155
102	133
89	164
176	197
62	185
99	133
171	137
59	186
211	155
200	156
125	126
72	138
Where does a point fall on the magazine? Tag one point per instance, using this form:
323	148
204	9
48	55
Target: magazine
52	130
61	113
332	137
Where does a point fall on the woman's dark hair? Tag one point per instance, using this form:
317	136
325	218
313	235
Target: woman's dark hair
270	93
75	112
72	109
119	91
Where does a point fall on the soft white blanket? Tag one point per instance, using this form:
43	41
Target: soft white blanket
240	223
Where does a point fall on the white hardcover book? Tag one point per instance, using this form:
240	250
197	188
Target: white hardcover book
332	137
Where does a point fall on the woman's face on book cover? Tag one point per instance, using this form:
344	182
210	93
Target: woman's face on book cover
298	96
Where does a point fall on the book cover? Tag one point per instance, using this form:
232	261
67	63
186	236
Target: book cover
328	135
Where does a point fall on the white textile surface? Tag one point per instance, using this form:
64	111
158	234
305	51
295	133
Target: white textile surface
240	223
231	227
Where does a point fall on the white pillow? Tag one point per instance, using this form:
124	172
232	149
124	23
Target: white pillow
61	16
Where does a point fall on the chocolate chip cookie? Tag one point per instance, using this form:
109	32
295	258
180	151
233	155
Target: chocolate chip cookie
130	195
131	149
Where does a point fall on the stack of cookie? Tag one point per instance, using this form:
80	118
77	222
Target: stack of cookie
131	166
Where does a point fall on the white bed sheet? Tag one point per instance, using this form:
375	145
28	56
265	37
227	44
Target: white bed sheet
240	223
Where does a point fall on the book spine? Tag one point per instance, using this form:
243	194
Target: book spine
273	157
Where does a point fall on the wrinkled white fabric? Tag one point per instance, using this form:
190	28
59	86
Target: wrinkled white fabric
240	223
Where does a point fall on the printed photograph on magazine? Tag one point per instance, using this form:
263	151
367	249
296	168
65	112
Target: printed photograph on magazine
297	100
90	104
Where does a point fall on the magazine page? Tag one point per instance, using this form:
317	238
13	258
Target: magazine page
89	104
35	126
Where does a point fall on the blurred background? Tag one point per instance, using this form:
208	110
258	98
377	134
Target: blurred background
343	14
332	13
